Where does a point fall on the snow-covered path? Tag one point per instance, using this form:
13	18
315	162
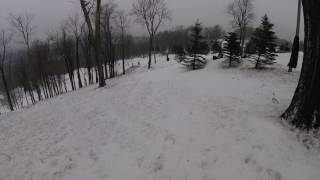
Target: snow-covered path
167	124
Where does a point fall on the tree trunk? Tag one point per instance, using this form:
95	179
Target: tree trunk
110	49
97	46
123	54
258	62
304	110
150	51
194	63
4	80
95	38
154	54
89	65
243	39
78	63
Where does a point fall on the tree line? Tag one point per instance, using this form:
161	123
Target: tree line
85	50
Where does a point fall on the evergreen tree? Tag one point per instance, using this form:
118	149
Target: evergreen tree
265	42
232	48
198	44
197	47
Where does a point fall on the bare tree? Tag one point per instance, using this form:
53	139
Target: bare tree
152	14
5	40
22	24
242	15
67	52
108	14
94	32
87	52
123	23
74	27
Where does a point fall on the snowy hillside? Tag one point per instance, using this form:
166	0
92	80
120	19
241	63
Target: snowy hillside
164	124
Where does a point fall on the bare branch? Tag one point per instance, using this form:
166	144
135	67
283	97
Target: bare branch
74	25
151	13
122	20
241	12
23	25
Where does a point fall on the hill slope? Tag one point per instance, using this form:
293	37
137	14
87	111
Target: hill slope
167	123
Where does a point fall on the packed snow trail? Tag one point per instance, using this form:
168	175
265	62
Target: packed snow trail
167	123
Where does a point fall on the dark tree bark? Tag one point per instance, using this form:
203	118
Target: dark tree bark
296	43
66	51
95	34
74	27
87	51
4	43
5	83
122	24
109	47
108	14
151	38
154	53
123	54
304	111
23	25
111	51
78	63
24	80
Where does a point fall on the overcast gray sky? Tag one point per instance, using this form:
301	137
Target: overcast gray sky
50	13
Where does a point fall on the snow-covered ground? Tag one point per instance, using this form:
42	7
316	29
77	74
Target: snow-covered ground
167	123
25	101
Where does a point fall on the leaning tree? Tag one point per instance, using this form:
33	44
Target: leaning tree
4	41
23	26
94	31
304	110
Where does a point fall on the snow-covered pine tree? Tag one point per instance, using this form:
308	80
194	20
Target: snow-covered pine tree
265	42
198	44
232	49
196	49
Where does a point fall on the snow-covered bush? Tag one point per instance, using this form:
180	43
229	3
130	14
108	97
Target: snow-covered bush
192	58
192	62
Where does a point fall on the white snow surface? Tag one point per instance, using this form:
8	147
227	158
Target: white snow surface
167	123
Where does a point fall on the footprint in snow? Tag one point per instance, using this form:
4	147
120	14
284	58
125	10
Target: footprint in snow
158	164
275	101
